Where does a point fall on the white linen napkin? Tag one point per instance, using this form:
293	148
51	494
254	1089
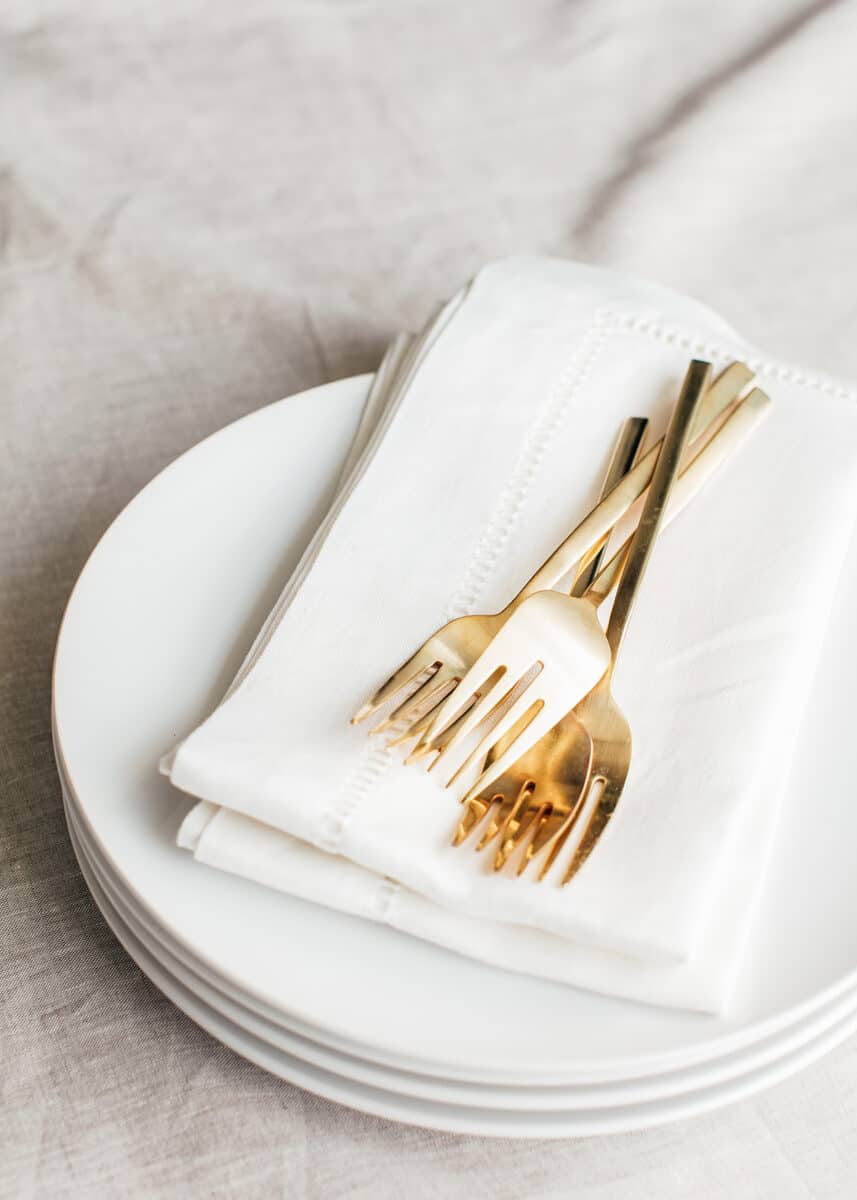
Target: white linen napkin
484	441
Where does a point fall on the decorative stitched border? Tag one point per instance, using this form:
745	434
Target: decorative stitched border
374	760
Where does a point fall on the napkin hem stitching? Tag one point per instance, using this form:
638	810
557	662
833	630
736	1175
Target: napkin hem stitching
761	366
374	762
497	533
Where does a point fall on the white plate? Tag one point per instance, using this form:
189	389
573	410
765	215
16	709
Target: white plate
449	1117
157	624
522	1099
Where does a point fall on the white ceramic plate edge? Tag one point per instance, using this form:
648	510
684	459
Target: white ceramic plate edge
448	1117
544	1098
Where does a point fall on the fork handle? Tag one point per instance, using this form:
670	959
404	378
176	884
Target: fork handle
705	462
654	509
725	389
622	460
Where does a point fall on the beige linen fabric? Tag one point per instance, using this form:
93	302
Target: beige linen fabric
206	206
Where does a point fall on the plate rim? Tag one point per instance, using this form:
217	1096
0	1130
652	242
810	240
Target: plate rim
465	1120
793	1038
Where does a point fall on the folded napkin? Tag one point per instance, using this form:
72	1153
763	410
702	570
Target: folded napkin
483	443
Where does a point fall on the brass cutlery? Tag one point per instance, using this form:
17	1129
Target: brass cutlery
571	780
421	688
562	757
531	659
531	685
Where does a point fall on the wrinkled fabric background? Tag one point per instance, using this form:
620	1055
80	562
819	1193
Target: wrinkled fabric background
205	206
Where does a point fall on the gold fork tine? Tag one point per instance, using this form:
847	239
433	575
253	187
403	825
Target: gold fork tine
514	731
407	675
415	729
570	748
611	793
523	715
560	836
493	827
479	705
474	814
543	831
535	720
518	823
505	799
428	695
422	750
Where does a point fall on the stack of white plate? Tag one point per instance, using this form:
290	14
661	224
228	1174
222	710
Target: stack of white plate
359	1013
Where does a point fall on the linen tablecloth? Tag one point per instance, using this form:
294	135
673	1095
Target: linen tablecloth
206	206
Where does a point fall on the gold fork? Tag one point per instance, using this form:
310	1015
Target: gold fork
560	761
421	685
578	770
546	656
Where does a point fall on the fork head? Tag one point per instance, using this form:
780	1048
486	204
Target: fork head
511	687
533	799
567	785
420	685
